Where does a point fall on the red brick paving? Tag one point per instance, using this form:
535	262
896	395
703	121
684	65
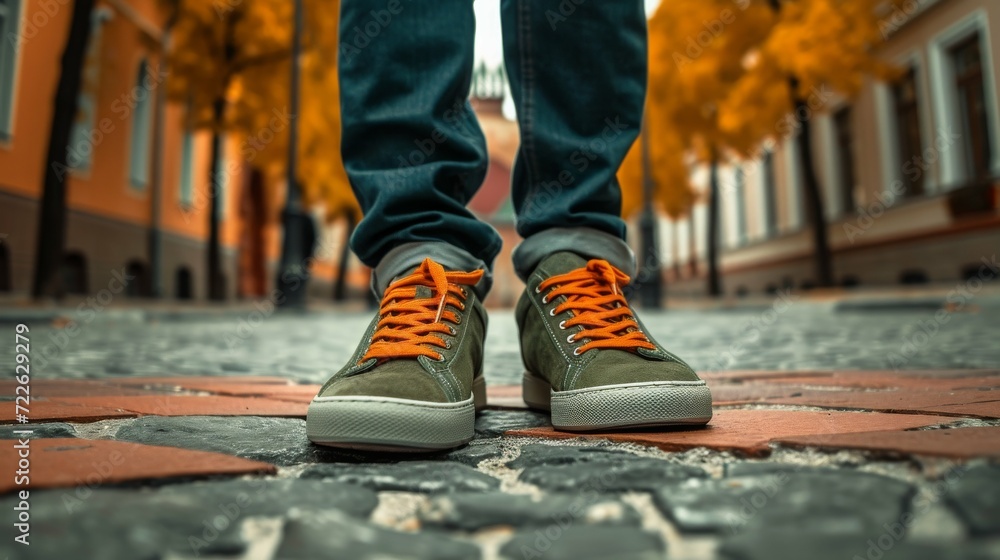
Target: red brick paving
60	462
905	401
504	396
977	410
957	443
751	431
183	405
52	411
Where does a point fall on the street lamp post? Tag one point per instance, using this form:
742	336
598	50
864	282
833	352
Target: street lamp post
293	272
651	288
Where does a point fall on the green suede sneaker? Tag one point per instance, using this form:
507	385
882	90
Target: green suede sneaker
590	361
415	381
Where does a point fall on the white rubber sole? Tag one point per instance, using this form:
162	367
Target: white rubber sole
390	424
628	405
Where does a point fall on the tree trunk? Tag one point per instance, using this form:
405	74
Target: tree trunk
813	193
52	216
714	285
340	284
216	291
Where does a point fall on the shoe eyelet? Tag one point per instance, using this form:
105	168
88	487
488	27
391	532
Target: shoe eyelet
452	331
552	312
576	351
440	358
570	339
447	345
458	319
538	290
464	293
562	325
545	300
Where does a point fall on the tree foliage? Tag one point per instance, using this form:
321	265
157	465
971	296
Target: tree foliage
239	51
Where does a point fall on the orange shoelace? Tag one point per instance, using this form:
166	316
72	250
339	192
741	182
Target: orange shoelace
594	296
407	324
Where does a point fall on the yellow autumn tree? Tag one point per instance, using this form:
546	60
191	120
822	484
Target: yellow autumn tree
810	50
230	62
696	56
729	75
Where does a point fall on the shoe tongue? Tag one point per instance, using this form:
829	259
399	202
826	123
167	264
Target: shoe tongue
424	292
561	263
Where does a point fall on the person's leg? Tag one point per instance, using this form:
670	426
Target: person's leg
578	74
412	147
578	77
415	156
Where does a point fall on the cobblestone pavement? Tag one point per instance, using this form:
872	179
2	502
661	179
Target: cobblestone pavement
185	439
310	348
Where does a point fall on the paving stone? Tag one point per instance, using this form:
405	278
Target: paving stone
585	543
750	432
903	400
493	423
787	545
60	462
978	410
808	499
191	519
413	476
475	452
638	474
930	380
280	441
38	431
959	443
183	405
975	497
536	454
334	535
49	410
473	512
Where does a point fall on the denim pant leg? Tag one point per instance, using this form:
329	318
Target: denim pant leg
412	147
578	77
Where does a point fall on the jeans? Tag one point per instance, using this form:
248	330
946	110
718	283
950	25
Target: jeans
415	154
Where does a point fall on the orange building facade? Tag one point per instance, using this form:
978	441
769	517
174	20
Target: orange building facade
117	193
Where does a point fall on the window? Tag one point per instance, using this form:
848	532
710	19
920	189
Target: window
221	179
187	169
844	135
910	145
967	60
770	204
8	60
142	117
80	151
741	206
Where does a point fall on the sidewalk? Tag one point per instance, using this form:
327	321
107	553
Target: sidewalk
149	446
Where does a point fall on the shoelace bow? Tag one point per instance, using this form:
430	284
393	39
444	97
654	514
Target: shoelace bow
407	325
594	296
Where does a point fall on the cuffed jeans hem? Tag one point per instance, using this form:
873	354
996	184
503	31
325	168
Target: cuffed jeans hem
403	259
587	242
